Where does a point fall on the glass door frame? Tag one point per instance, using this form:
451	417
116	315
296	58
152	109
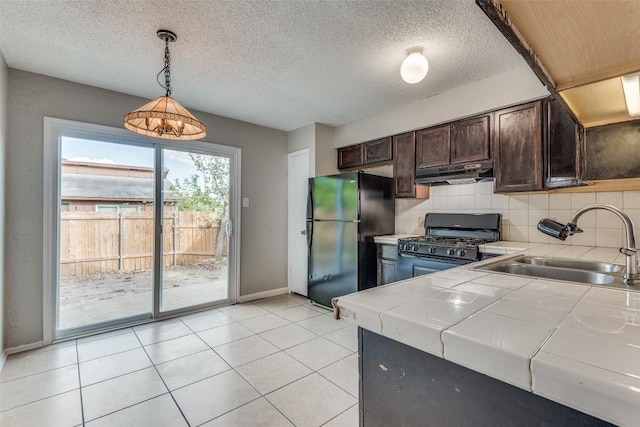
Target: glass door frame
54	129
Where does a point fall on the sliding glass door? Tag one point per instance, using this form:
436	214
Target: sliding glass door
195	199
106	226
140	229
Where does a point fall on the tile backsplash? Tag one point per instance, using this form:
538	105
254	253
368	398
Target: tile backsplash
521	213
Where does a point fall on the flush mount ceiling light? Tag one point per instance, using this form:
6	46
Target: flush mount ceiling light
164	117
415	66
631	87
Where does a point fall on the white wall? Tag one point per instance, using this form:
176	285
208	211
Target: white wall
304	137
325	153
509	88
32	96
3	139
319	139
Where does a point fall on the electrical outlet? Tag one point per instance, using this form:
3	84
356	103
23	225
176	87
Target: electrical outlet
420	221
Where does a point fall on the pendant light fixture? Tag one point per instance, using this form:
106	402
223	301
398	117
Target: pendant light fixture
164	117
415	66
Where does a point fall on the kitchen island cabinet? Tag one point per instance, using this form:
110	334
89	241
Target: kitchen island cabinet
403	386
472	347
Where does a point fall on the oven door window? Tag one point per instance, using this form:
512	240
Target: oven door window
419	270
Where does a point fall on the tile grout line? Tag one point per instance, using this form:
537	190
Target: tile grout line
79	383
349	408
163	382
234	368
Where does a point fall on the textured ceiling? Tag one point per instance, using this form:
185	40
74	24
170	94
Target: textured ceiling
282	64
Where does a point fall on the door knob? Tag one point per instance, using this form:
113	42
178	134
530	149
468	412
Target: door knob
303	232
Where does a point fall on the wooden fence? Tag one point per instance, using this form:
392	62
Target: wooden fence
103	242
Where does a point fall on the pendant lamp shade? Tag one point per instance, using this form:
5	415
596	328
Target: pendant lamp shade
164	117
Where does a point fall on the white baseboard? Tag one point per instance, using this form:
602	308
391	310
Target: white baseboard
265	294
18	349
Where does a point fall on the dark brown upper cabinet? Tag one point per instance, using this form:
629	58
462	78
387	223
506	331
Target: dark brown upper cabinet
380	150
433	146
470	139
536	146
349	157
463	141
564	138
367	153
517	148
404	168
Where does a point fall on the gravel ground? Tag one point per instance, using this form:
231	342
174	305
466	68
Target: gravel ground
76	290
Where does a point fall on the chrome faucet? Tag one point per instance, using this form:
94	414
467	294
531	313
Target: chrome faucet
560	231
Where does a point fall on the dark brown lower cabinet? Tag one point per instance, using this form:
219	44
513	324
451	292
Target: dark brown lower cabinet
402	386
387	263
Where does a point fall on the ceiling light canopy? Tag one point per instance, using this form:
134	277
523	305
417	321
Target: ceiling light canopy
414	67
631	87
164	117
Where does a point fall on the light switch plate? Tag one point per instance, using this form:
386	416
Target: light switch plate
245	202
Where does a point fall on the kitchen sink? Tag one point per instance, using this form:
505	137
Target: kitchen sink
571	263
592	273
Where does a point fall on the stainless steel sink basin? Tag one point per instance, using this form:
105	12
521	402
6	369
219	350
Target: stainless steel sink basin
568	274
592	273
571	263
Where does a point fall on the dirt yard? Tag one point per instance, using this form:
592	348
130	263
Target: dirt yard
96	298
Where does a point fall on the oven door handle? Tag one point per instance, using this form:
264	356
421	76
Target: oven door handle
409	256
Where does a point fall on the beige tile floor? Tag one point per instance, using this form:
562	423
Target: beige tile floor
272	362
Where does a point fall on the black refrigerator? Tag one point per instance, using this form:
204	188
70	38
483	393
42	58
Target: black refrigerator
344	213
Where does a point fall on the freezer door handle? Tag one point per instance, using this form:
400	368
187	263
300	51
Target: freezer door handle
310	201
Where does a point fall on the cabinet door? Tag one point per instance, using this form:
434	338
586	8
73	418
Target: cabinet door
470	140
350	156
404	165
563	143
377	151
388	271
433	147
517	149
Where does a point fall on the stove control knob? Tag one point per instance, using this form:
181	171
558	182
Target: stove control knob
432	250
451	251
462	252
415	248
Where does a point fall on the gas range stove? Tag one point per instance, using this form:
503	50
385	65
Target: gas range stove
445	247
453	236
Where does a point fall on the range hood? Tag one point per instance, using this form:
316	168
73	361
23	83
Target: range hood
462	173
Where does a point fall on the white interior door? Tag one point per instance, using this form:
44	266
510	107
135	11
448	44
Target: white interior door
298	189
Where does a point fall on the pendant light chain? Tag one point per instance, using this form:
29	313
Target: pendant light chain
167	68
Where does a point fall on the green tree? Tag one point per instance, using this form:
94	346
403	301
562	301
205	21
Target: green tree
207	191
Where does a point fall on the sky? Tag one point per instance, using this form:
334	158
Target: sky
178	162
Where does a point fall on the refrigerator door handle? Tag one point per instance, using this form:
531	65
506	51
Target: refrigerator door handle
309	236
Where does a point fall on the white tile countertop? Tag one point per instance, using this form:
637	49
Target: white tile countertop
575	344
